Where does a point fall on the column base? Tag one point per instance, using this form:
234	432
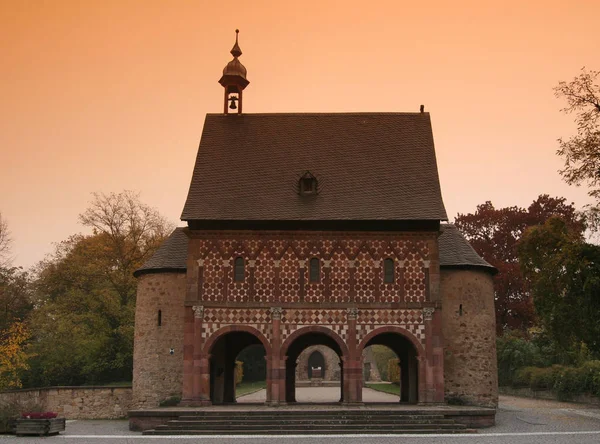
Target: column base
275	403
194	403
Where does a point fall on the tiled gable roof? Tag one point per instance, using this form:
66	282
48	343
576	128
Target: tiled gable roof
455	251
370	166
170	256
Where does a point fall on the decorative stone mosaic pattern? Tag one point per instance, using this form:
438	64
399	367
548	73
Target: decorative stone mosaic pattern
351	269
410	320
216	318
289	277
264	278
292	320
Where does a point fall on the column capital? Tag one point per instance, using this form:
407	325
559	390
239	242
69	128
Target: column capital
428	313
276	313
352	313
198	311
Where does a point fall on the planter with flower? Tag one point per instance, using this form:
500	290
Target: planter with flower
33	423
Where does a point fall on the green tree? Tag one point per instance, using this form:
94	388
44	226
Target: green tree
13	356
564	272
85	295
494	233
15	300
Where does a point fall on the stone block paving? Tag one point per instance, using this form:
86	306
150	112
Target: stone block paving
321	394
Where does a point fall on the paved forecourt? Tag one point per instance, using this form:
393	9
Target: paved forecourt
519	421
321	394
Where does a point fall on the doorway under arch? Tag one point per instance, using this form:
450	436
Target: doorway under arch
316	365
408	352
298	342
223	349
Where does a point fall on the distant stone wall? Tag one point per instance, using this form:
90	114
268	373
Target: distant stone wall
158	374
76	402
526	392
332	363
469	331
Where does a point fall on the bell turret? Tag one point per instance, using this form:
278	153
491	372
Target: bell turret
234	80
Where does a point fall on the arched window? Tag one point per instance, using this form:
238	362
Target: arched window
238	269
315	270
388	271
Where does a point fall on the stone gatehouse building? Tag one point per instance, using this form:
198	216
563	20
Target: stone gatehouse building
314	229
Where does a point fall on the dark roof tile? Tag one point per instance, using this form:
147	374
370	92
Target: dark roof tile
370	166
170	256
456	251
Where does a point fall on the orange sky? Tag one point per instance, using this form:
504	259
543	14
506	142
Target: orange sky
106	95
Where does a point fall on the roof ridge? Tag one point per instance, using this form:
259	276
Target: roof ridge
315	113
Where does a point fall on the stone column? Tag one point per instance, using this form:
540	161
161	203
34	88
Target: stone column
277	379
352	370
434	362
201	370
196	377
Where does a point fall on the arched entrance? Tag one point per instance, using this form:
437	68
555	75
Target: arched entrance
299	341
316	365
408	351
223	348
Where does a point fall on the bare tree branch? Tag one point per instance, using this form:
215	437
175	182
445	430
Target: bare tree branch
5	243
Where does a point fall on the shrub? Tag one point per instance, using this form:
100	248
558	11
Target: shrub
393	371
239	372
515	353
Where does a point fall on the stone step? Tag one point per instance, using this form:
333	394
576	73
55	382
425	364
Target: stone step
350	417
309	431
302	421
316	427
283	413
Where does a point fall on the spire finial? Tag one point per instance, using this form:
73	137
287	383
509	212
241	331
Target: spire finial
236	51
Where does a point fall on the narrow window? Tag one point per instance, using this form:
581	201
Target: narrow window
238	269
308	185
315	271
159	318
460	310
388	271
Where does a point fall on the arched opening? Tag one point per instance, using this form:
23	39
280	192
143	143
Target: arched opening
226	368
314	347
404	379
316	365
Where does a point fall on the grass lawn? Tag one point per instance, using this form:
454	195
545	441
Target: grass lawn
392	389
243	388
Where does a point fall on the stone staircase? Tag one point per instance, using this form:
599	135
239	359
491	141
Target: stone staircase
298	422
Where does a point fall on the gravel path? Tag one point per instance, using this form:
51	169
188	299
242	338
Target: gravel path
321	394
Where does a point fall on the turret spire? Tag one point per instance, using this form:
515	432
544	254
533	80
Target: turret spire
234	79
236	51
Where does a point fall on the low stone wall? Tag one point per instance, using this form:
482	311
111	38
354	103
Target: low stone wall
77	402
526	392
